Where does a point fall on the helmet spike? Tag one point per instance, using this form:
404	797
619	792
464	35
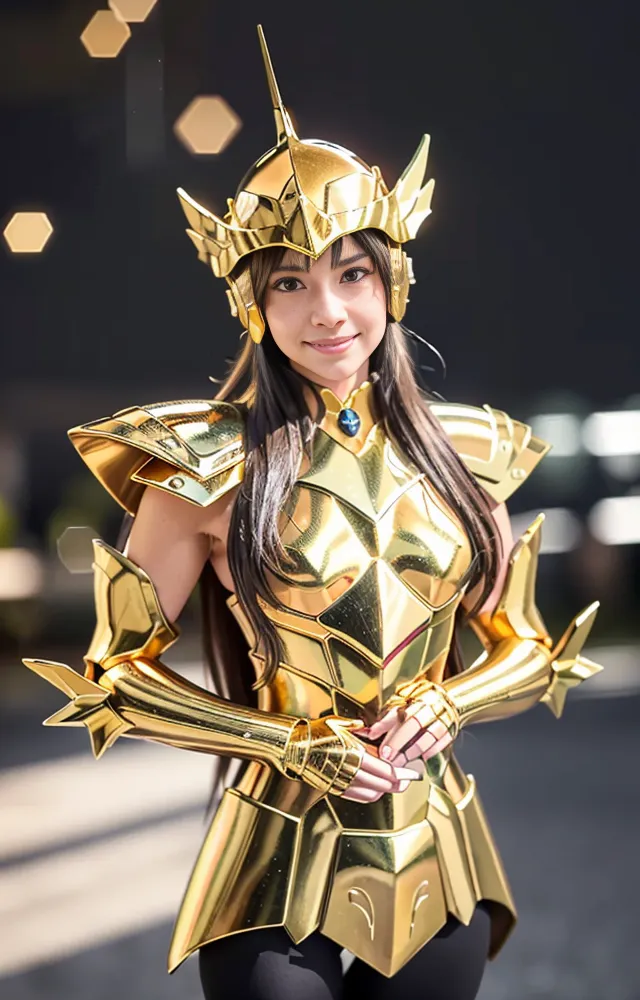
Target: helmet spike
284	128
410	181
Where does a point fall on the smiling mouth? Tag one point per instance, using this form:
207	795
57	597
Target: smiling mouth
332	341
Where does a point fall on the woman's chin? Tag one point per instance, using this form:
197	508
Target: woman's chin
336	369
332	373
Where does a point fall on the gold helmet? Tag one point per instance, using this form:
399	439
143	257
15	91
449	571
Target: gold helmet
304	194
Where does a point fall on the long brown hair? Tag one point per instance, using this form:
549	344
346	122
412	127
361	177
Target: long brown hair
279	432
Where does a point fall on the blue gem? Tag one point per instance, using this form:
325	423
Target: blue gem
349	422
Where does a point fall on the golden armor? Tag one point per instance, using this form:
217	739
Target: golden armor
378	569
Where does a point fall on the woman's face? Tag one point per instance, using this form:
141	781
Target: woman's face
327	320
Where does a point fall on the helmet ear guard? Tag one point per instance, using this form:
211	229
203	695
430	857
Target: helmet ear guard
242	303
401	278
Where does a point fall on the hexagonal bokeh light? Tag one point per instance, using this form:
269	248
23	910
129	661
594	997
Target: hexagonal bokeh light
132	10
105	35
207	125
75	548
27	232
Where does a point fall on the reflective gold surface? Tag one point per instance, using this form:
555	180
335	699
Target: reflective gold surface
138	696
375	572
129	620
501	452
521	666
191	448
378	566
304	194
387	896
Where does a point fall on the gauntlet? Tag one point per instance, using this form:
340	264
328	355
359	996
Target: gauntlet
520	665
127	691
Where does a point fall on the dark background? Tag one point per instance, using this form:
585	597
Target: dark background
526	269
526	282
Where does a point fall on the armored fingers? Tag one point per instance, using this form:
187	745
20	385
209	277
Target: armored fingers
127	691
520	666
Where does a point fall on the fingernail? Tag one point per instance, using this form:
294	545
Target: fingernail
386	753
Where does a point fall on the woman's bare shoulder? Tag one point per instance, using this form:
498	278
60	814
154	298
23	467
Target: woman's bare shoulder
172	513
171	540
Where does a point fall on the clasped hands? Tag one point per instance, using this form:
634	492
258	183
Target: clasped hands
421	720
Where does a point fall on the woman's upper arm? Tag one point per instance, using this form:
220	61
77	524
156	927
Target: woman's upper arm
169	543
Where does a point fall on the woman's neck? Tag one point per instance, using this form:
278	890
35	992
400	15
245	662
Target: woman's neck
341	388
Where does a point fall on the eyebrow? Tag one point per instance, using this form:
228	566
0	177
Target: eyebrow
352	259
289	267
341	263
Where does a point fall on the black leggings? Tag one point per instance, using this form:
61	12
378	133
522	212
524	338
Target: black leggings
266	965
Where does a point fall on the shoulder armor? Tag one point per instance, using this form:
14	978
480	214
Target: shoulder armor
192	448
500	452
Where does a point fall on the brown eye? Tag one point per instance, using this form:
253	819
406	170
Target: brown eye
287	284
354	274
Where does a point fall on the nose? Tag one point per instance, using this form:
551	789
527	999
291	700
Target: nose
328	310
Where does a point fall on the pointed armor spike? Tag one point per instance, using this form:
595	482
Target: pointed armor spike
410	181
284	128
69	681
420	209
210	235
198	217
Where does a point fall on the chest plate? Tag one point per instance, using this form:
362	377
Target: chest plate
375	571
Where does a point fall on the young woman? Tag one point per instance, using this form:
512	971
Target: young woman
343	525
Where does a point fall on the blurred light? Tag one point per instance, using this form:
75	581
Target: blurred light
132	10
27	232
20	574
561	430
75	549
207	125
153	863
614	433
47	804
624	467
619	678
616	520
561	529
105	35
